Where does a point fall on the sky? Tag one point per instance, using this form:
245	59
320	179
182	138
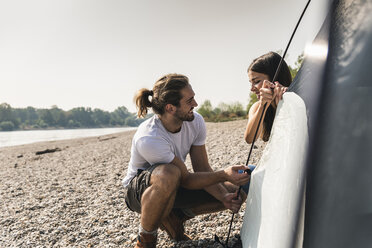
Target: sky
98	53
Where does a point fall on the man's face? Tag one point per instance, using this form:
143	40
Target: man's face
187	104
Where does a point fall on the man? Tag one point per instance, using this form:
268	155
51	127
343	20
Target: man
158	184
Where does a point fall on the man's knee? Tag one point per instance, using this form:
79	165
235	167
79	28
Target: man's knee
167	176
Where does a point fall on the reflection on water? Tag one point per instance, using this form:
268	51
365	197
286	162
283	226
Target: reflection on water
26	137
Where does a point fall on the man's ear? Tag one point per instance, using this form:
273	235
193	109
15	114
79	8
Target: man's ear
169	108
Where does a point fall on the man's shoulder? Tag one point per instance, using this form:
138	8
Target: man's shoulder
149	128
150	136
198	117
198	120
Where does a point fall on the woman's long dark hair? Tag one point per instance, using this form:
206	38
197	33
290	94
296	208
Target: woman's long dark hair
267	64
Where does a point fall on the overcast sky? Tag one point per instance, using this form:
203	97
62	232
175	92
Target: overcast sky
97	53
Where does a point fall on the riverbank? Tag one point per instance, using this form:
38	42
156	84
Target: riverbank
73	197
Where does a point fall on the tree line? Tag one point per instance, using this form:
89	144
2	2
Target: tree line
81	117
223	112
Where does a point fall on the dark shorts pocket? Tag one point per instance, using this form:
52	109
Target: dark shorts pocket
135	189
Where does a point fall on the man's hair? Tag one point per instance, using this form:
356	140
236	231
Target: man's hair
167	90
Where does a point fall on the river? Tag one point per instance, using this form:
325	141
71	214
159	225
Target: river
14	138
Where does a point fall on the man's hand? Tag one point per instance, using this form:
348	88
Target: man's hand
231	202
233	176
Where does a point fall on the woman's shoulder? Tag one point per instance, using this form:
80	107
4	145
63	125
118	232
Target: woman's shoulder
254	107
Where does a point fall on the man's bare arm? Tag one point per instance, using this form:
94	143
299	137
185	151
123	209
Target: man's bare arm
203	179
199	160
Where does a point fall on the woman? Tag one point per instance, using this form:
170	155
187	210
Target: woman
261	73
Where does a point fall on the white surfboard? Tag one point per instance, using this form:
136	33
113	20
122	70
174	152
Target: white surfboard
270	218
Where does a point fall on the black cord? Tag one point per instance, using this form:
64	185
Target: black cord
255	134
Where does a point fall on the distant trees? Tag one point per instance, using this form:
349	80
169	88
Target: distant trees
223	112
297	66
252	99
206	109
8	120
6	126
81	117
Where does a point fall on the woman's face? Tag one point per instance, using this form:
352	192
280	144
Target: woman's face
256	79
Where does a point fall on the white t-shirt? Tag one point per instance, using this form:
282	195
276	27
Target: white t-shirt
153	144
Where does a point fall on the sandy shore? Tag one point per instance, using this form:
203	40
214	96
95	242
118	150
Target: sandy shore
73	197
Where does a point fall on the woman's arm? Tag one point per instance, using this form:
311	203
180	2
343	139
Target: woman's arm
253	118
267	95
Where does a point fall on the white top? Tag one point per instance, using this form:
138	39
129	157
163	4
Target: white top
277	184
153	144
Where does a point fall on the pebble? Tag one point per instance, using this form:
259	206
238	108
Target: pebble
74	197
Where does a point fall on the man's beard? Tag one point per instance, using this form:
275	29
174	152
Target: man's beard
185	116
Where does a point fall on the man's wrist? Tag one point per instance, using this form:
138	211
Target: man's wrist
222	175
222	193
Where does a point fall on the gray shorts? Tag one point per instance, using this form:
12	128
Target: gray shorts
186	199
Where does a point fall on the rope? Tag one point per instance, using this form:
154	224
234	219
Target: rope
255	134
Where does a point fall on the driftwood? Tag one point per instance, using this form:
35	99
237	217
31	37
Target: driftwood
48	151
104	139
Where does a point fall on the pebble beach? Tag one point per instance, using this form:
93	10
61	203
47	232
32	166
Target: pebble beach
68	193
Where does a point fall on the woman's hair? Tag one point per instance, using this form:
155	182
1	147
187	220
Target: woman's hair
167	90
267	64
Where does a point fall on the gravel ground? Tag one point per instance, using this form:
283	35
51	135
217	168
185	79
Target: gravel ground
73	197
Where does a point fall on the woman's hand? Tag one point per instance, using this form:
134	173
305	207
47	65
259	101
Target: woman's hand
279	90
272	92
267	94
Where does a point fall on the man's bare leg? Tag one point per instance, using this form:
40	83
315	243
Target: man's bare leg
158	198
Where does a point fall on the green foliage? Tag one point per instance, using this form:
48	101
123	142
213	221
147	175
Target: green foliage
47	117
100	117
252	100
41	124
223	112
297	66
31	118
120	115
5	112
6	126
206	109
73	124
298	63
58	116
83	116
237	109
7	115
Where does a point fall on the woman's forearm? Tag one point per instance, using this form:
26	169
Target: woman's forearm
253	122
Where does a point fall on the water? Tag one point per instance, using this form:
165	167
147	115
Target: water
14	138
